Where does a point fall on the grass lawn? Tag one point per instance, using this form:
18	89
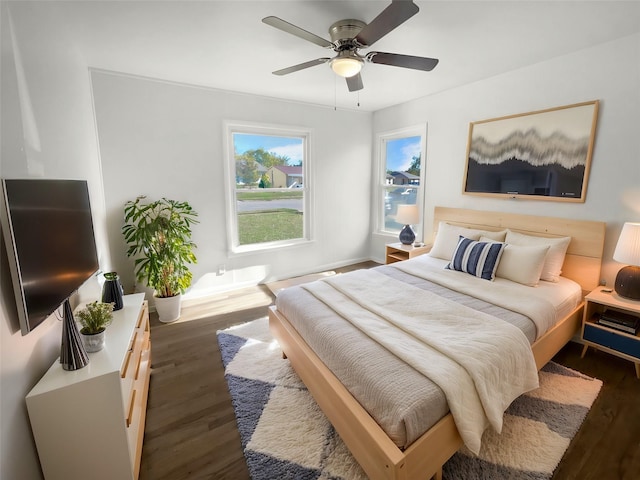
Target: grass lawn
261	194
269	226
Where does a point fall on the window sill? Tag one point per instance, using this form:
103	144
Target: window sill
269	247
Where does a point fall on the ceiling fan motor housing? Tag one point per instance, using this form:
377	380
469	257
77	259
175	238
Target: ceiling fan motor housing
343	32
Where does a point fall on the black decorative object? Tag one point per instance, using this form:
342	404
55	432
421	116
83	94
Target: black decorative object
628	282
406	235
73	356
112	290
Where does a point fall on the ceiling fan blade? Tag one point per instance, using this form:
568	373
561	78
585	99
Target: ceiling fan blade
405	61
297	31
301	66
391	17
355	83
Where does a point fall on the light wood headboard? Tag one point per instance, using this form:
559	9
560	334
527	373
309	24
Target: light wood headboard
584	255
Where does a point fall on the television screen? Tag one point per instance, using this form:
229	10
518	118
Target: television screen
48	231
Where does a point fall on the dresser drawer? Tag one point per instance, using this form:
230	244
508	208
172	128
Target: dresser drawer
619	342
137	345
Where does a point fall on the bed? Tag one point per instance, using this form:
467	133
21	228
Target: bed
417	452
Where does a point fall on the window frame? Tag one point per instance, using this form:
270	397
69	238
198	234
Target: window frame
230	128
380	150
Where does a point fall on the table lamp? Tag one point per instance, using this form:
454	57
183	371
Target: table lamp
628	251
407	215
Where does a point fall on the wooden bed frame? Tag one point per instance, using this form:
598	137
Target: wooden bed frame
379	457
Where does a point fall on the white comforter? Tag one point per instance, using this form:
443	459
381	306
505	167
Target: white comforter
503	293
481	363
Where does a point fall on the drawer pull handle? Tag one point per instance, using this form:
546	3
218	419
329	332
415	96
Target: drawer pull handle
138	366
133	340
131	405
143	315
127	360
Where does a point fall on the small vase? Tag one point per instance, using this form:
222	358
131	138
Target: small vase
112	290
93	342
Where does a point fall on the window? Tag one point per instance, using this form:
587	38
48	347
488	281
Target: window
268	186
400	174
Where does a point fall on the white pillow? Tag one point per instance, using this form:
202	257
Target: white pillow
555	256
446	239
521	264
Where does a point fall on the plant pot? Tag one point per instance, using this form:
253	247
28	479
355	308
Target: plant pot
168	308
93	342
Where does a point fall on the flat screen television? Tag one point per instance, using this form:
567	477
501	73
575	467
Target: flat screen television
48	231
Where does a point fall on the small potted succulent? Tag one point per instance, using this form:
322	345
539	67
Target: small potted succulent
94	319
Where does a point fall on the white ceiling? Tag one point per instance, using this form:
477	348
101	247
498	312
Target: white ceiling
224	44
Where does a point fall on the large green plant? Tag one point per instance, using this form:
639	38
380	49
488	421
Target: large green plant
158	235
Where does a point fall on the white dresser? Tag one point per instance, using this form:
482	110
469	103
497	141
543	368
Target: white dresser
89	423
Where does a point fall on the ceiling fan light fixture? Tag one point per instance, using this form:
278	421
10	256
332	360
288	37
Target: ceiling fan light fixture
346	66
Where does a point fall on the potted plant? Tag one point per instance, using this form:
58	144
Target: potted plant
158	235
94	318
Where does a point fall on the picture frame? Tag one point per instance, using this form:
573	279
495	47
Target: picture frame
541	155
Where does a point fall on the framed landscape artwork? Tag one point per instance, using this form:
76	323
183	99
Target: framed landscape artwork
543	155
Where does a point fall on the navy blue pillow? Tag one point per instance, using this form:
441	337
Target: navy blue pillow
479	259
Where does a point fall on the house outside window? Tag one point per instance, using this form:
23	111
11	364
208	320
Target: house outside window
267	186
400	179
285	176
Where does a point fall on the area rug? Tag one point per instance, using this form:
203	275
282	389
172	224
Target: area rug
285	435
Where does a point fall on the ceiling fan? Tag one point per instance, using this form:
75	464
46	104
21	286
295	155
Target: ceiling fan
349	36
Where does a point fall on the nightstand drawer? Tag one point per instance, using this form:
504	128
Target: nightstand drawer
613	340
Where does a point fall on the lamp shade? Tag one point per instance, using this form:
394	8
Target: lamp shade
408	215
628	246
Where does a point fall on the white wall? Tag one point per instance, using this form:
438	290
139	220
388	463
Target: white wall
165	139
609	73
47	131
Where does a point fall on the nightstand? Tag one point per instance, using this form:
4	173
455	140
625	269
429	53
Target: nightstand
396	252
611	340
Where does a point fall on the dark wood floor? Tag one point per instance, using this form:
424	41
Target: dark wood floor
191	431
608	444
